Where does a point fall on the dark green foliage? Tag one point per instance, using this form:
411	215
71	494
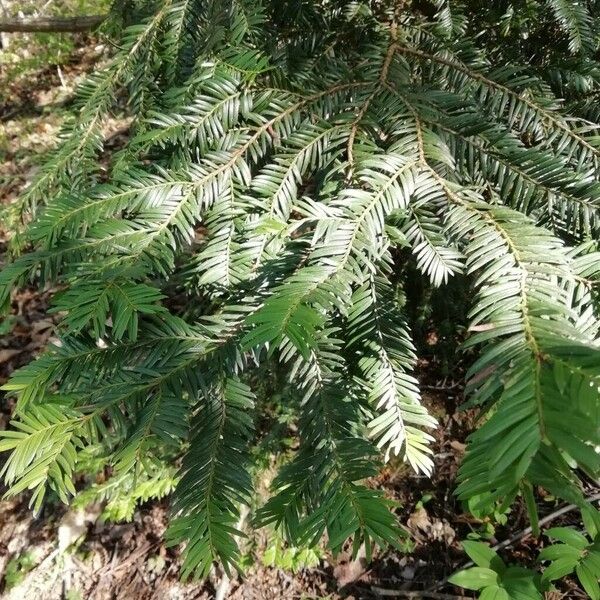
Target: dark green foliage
292	167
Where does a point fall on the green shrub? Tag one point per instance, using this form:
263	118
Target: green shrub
290	165
576	554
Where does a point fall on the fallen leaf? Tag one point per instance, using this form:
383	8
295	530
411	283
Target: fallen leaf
458	446
347	572
419	520
6	355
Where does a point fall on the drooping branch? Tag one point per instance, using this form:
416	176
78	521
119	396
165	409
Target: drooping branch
50	24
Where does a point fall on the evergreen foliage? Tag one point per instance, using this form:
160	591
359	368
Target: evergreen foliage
287	161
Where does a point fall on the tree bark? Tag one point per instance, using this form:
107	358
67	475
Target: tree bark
51	24
4	37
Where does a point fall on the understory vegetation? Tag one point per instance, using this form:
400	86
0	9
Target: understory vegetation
305	185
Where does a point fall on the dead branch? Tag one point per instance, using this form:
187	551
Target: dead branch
50	24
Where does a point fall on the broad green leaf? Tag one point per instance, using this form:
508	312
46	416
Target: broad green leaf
558	551
483	556
474	578
568	536
589	580
559	568
494	592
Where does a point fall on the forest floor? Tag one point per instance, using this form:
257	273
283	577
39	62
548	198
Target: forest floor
129	560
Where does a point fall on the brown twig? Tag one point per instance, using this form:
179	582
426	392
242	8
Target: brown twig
50	24
415	595
365	107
